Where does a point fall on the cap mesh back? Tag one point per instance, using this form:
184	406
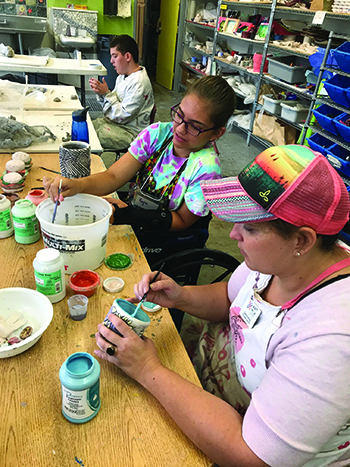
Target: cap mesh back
319	200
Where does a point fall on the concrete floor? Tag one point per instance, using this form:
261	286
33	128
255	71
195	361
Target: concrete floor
234	156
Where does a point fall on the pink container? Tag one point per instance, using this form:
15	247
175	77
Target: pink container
257	59
36	196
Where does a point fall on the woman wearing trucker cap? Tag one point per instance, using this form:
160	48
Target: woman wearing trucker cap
276	343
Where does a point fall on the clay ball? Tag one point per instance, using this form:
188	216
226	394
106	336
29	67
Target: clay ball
12	177
15	165
23	156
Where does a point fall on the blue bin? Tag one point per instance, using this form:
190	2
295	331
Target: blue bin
338	88
319	143
343	130
337	156
325	115
342	56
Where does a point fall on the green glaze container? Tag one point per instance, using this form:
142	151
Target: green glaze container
25	223
80	384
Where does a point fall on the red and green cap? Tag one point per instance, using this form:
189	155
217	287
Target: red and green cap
289	182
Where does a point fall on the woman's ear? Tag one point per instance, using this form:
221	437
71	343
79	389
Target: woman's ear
305	239
218	133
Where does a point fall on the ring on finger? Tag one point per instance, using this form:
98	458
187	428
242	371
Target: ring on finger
111	350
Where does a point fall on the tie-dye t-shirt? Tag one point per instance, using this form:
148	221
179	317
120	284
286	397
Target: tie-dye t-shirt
201	165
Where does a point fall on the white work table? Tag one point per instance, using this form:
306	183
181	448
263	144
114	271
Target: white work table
59	122
36	64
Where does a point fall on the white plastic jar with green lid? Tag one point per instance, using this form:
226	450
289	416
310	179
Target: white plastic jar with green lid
25	223
6	223
49	274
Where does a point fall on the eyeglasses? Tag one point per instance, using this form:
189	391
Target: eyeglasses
190	127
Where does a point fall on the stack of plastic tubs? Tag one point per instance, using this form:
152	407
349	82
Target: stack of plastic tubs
319	143
325	115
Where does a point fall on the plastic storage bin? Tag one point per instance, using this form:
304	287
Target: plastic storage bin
342	56
319	143
272	105
343	130
337	156
292	111
280	67
325	115
338	88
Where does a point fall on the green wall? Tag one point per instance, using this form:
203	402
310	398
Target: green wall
106	24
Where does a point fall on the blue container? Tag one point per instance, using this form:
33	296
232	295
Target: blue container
337	156
80	384
338	88
80	130
325	115
342	56
343	130
319	143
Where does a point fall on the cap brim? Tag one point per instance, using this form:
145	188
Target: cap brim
227	200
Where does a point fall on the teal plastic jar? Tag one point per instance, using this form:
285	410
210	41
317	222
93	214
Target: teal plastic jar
80	384
25	222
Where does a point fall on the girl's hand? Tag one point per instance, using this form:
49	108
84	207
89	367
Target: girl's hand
114	201
165	291
69	187
135	356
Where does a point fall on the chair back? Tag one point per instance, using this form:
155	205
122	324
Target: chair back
152	117
186	266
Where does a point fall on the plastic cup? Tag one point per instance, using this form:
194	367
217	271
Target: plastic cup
78	307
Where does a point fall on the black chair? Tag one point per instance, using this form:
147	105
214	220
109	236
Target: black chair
196	267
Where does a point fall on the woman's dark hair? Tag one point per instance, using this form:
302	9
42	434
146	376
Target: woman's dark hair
286	230
220	96
124	44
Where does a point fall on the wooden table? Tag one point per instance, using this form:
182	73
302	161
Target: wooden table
131	428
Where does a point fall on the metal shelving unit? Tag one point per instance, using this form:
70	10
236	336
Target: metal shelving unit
331	22
317	98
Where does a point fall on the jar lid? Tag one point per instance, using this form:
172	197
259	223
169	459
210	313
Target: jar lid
113	284
150	307
47	255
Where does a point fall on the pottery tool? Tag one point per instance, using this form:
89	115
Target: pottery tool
145	294
37	188
56	204
50	170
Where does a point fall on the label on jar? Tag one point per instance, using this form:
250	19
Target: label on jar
26	226
5	220
49	283
81	404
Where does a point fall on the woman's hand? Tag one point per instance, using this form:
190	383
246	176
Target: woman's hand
135	356
69	187
165	291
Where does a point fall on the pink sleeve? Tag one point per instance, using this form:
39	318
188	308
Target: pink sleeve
303	400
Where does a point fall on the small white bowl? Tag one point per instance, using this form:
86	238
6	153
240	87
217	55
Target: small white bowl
35	307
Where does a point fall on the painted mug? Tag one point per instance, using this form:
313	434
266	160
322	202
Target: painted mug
124	309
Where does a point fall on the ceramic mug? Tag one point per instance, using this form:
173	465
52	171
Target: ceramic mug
75	159
124	309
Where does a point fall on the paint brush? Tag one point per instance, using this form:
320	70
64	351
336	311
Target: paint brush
50	170
56	204
145	294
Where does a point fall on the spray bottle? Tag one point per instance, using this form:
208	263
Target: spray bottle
80	130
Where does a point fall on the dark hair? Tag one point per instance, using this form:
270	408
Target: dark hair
124	44
221	98
286	230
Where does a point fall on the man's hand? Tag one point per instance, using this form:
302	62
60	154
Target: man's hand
99	88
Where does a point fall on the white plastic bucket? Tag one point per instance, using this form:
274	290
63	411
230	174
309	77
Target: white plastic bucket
79	232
